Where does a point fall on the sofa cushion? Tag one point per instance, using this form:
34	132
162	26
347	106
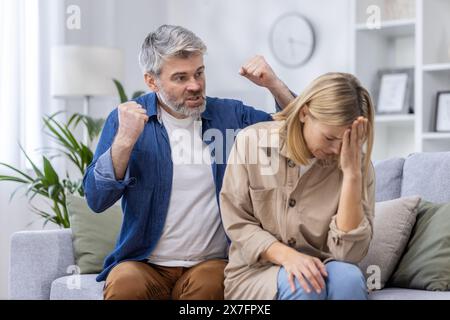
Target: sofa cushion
93	234
428	175
388	174
77	287
37	258
426	262
392	226
408	294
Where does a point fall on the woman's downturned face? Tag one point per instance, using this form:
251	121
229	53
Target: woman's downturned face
323	141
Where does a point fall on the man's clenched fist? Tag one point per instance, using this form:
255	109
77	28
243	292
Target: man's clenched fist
132	119
259	72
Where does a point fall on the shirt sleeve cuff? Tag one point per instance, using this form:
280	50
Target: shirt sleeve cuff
259	243
357	234
104	174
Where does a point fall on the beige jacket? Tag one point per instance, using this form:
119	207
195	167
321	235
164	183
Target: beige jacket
260	207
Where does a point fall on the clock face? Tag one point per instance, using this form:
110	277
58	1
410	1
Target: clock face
292	40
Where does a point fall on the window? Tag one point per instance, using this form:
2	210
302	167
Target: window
19	79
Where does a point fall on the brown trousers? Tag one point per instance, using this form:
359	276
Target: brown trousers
134	280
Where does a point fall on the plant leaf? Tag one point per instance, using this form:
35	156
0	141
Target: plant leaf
137	94
13	179
57	136
18	171
123	97
50	173
35	168
70	137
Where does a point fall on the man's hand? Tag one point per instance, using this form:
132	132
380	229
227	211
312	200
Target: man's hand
132	119
258	71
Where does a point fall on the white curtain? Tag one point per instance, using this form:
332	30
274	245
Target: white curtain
28	29
19	81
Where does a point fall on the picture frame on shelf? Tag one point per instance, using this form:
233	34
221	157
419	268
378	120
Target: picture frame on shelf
399	9
443	111
395	91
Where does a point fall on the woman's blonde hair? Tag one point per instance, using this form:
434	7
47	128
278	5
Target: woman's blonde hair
335	99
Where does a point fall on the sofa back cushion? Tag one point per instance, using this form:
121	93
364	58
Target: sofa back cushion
388	174
427	175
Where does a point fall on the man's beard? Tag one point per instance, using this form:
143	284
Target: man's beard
181	108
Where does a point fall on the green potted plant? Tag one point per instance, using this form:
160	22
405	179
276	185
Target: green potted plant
45	181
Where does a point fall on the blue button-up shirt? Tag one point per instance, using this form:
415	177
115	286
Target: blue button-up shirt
146	187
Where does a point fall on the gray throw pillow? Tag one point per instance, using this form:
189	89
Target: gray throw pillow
93	234
392	226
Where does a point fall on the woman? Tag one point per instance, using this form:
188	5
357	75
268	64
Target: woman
297	199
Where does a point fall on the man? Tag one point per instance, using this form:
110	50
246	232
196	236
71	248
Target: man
165	156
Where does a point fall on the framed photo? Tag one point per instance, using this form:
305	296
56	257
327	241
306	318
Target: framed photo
395	91
443	111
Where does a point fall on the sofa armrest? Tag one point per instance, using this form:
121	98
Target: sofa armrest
37	259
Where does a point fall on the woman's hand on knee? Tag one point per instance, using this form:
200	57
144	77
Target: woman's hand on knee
305	267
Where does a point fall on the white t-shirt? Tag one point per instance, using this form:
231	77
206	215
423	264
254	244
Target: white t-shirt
193	230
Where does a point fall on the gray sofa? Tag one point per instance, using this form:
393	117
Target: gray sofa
42	262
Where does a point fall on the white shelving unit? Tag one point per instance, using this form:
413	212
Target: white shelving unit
396	119
436	67
436	135
418	38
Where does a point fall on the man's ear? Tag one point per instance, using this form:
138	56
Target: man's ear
150	81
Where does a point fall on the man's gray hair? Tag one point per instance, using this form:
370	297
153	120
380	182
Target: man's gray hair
166	42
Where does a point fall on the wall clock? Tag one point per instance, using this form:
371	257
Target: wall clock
292	39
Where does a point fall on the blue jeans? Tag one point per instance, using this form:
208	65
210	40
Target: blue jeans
344	282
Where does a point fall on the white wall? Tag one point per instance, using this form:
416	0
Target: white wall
97	28
116	23
234	30
134	20
16	215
